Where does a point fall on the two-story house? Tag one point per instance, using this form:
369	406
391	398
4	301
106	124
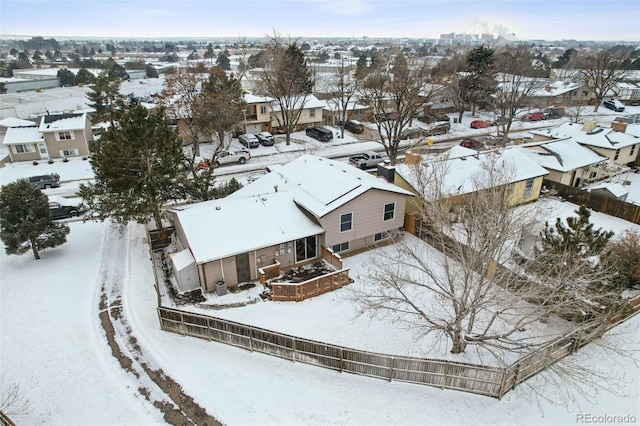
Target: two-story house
287	216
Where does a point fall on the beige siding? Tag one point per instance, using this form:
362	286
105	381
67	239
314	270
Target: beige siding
24	156
368	213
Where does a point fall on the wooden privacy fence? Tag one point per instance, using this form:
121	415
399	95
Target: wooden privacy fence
439	373
597	202
310	288
267	272
332	258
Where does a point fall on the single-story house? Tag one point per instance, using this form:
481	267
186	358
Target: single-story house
288	216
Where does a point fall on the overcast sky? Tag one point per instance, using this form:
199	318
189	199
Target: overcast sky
541	19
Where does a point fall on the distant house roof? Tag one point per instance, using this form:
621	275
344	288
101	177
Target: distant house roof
16	122
460	168
601	137
22	135
310	102
615	189
319	185
51	123
564	155
555	89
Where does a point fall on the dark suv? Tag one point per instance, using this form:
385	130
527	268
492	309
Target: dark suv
45	181
320	133
61	211
354	126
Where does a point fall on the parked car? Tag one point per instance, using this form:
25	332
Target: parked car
368	159
62	208
472	143
534	116
320	133
227	157
249	140
479	124
51	180
354	126
614	104
553	113
265	138
434	118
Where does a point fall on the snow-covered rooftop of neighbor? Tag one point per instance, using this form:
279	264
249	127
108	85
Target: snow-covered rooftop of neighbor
20	135
74	122
556	88
309	102
318	184
601	137
15	122
255	99
462	167
564	155
229	226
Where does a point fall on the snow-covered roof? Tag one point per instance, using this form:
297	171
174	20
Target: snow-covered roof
556	88
459	172
309	102
564	155
21	135
255	99
16	122
319	185
49	123
615	189
221	228
182	259
601	137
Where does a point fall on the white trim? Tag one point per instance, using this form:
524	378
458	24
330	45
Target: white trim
384	211
340	223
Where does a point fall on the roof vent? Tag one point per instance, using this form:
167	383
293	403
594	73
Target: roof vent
218	208
595	131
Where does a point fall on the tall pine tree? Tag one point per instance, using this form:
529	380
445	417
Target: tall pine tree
25	220
138	165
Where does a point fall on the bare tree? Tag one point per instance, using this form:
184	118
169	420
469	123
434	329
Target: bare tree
450	73
458	290
516	83
179	97
343	87
12	401
396	93
601	71
286	79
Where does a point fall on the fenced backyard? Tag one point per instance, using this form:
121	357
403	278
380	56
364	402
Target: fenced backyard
473	378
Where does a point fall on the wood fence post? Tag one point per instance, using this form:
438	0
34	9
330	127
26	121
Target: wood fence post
251	339
446	371
184	327
391	369
293	350
341	358
503	382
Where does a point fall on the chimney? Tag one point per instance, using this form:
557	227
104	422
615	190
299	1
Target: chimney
547	88
619	126
275	188
386	172
411	157
589	125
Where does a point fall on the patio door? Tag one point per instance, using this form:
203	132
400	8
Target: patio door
306	248
243	270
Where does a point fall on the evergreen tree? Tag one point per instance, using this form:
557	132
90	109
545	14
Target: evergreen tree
67	78
223	61
84	76
105	91
25	220
361	67
151	71
578	238
480	83
138	167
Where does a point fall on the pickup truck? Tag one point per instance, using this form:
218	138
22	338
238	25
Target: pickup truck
226	157
367	160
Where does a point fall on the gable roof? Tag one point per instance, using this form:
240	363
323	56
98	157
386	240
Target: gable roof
600	137
22	135
226	227
319	185
458	171
564	155
16	122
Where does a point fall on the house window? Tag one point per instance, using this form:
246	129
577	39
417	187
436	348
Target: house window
64	136
22	148
585	93
306	248
263	109
615	157
68	152
346	222
633	149
559	99
528	188
340	247
312	112
512	187
380	236
389	211
592	175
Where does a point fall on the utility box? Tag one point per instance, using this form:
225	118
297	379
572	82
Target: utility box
221	288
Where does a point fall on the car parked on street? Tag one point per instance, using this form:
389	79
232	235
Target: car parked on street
614	104
354	126
472	143
227	157
534	116
265	138
479	124
52	180
553	113
62	208
249	140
